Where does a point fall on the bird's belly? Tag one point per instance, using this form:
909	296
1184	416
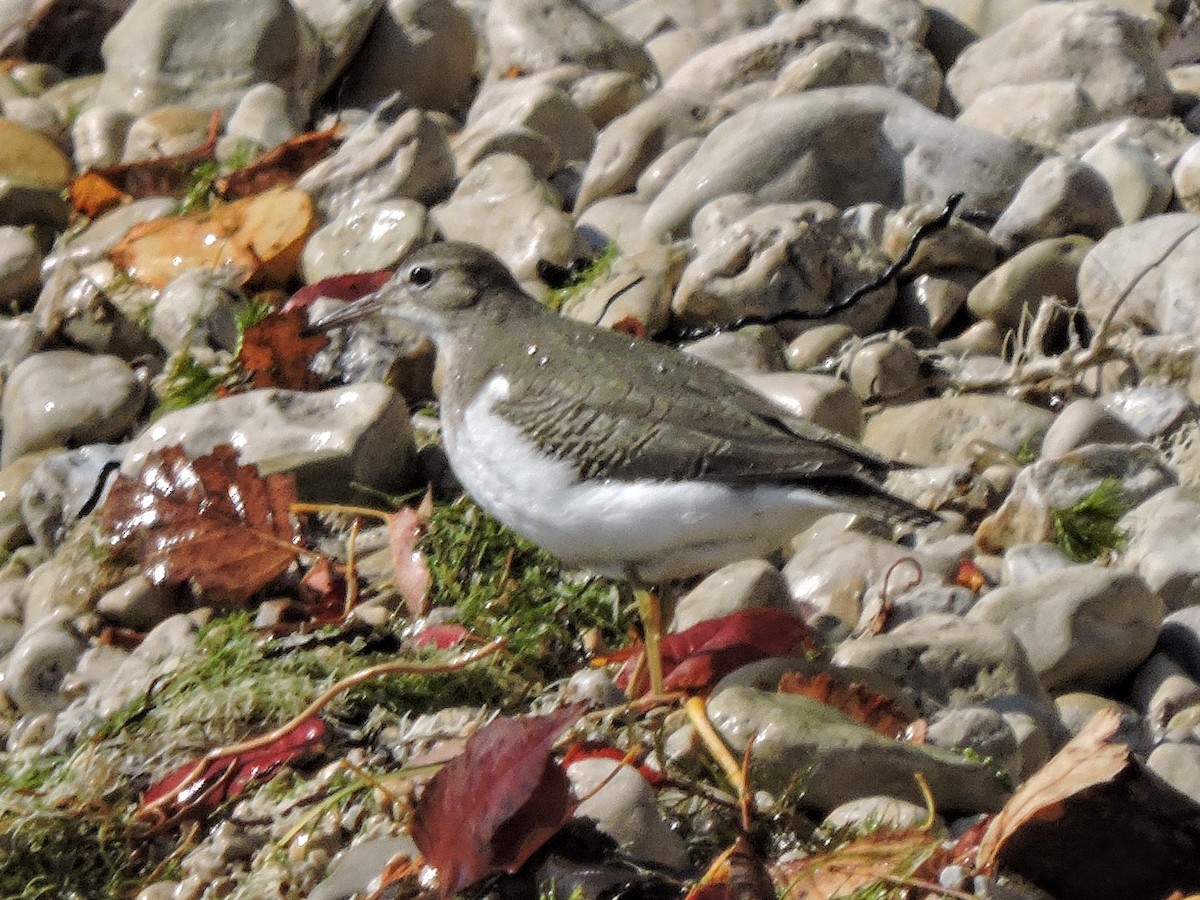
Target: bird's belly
651	530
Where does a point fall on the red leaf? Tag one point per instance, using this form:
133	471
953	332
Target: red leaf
280	166
581	750
409	566
440	636
491	808
339	287
695	659
225	776
210	520
276	352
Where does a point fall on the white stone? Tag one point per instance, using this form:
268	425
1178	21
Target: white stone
20	265
1140	187
262	117
372	237
624	808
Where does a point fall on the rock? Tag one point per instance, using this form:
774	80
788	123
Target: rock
30	159
1036	727
944	660
1160	689
166	131
1179	766
330	440
1179	638
887	370
64	396
932	300
98	136
262	117
1017	287
637	288
737	586
1060	197
340	29
842	760
20	266
196	308
1029	562
37	665
529	36
755	349
1077	708
1140	187
817	346
1150	410
103	233
1041	113
170	51
373	236
844	146
622	805
979	729
1054	485
1163	546
138	604
57	491
1081	422
1083	628
383	159
1185	179
520	113
868	813
1164	139
503	206
823	399
940	430
356	867
832	64
1111	54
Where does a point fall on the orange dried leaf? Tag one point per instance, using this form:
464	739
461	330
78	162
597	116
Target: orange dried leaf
276	352
874	710
882	856
1088	759
281	166
212	521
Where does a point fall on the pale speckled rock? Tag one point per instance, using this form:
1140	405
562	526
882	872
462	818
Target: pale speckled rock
629	144
20	265
1083	628
741	585
30	159
12	525
606	95
535	35
170	51
57	490
823	399
340	29
1152	266
166	131
708	20
138	603
843	145
945	660
836	62
1027	513
1185	179
1165	139
261	116
755	348
959	244
37	665
638	288
618	220
622	804
64	396
1061	196
1179	766
980	729
1026	562
507	113
503	206
374	236
196	308
1140	187
815	347
383	159
1077	708
34	114
1018	286
931	432
1112	54
329	440
1041	112
843	759
887	370
1163	546
931	300
1160	689
868	813
1084	421
353	869
71	95
1150	410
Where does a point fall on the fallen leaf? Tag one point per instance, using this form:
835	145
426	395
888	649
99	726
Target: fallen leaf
1088	759
632	326
696	658
224	777
874	710
323	594
489	809
443	637
281	166
209	520
410	568
881	857
340	287
581	750
99	190
276	352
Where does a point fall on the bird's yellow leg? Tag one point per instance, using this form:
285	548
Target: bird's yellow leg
651	614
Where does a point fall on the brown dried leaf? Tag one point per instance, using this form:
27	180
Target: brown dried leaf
882	856
276	352
210	520
1088	759
874	710
281	166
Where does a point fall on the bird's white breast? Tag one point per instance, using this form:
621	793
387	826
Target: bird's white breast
651	530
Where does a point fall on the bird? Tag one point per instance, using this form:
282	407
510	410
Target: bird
615	454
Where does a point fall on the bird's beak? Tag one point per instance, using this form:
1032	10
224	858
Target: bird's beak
360	309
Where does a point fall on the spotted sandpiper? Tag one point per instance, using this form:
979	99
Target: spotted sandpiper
617	455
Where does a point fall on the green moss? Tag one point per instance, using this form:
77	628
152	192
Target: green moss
557	298
198	192
1088	530
187	382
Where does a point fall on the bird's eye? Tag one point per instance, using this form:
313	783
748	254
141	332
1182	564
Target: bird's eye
420	276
